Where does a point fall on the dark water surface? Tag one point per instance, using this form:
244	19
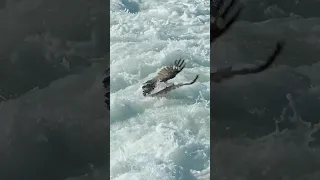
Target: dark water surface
266	126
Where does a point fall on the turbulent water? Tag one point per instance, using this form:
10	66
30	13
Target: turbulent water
73	107
272	132
166	137
265	126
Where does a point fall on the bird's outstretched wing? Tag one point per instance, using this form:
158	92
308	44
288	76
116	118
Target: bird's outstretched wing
173	86
164	75
226	73
170	72
219	22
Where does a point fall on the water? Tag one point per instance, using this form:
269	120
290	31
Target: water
54	129
167	137
265	126
53	117
273	130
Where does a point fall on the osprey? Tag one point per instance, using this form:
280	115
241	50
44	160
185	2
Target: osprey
219	26
165	74
226	73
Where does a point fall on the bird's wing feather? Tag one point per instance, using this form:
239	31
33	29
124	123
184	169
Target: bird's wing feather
170	72
226	73
173	86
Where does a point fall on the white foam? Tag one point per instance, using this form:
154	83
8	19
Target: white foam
159	138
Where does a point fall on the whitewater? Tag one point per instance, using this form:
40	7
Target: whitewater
266	126
166	137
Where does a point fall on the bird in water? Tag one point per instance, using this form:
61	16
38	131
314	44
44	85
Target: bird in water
220	24
165	74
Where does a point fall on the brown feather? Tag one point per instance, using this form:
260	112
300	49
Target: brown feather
170	72
164	75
